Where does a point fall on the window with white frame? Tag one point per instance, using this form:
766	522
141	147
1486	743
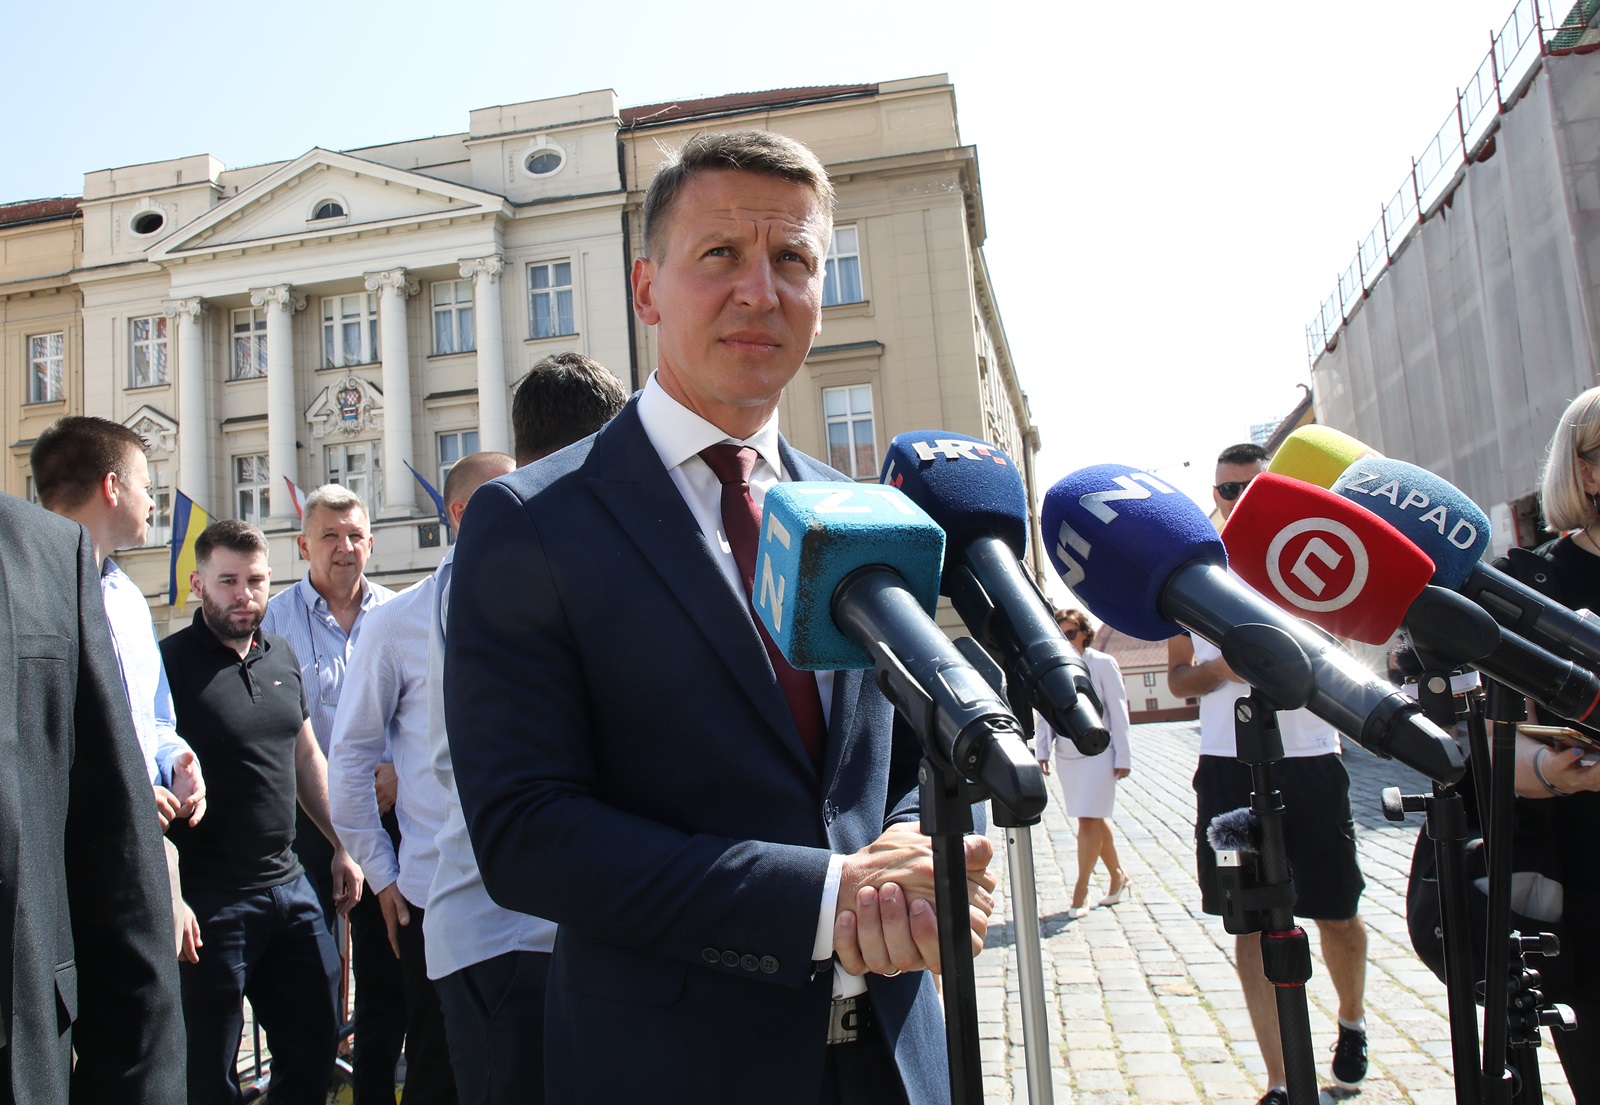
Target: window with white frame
161	492
147	341
358	467
349	329
841	281
47	361
249	345
452	317
1152	704
1149	679
252	488
452	447
550	299
852	442
30	490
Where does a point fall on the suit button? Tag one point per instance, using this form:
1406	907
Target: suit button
730	959
749	962
769	965
828	813
711	955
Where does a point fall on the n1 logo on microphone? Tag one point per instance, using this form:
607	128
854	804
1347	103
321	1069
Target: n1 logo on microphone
1072	548
1318	564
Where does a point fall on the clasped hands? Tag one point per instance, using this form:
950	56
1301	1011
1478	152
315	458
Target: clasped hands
885	920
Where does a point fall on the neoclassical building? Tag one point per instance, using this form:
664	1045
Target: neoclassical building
349	316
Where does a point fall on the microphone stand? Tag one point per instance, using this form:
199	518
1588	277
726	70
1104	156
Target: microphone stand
1025	922
1446	826
1264	901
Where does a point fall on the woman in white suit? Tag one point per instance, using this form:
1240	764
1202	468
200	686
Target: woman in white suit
1089	783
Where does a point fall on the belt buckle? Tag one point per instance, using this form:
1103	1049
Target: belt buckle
844	1021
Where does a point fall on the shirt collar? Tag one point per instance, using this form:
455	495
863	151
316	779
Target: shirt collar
111	570
678	433
319	605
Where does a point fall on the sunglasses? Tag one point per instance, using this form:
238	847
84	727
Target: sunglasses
1071	632
1233	488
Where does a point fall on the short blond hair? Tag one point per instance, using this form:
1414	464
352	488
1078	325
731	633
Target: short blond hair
1576	440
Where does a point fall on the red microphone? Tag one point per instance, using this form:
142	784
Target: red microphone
1323	558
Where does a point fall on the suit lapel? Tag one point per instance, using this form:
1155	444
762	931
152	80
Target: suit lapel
630	481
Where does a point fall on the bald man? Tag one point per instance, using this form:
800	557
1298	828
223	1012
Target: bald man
385	700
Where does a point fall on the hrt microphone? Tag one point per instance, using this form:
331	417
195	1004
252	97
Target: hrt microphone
1451	529
1318	455
1147	561
975	494
848	577
1322	558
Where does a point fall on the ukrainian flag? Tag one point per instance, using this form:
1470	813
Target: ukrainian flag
188	520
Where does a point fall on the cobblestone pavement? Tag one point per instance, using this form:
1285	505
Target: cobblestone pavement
1143	1003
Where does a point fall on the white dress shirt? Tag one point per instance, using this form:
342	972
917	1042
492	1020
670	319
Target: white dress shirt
384	704
678	435
462	925
144	678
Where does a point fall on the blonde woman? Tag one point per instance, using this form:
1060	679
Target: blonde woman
1089	783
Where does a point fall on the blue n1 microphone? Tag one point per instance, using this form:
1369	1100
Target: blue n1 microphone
974	492
1147	561
847	576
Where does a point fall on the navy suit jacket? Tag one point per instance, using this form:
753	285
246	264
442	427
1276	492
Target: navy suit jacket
85	909
629	769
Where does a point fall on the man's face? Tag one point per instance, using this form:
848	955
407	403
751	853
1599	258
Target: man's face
736	294
1234	474
232	588
134	503
337	545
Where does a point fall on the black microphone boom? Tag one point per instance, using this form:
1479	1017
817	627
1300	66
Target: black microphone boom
1002	607
1574	634
930	682
1202	597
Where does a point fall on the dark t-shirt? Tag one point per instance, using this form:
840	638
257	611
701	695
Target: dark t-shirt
242	717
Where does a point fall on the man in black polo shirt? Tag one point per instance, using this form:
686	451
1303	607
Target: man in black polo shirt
240	705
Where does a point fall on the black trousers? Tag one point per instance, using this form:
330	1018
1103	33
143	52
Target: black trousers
495	1020
396	1007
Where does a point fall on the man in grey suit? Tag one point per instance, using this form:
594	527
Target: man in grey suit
84	904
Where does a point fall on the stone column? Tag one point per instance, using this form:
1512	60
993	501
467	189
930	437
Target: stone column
194	429
282	419
399	489
494	416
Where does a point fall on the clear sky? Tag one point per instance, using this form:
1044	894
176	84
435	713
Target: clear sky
1170	191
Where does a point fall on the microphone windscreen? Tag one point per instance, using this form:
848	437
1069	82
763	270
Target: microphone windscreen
1324	559
1235	831
1116	534
1318	455
1432	514
813	535
971	488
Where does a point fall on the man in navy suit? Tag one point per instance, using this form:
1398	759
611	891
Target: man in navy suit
726	844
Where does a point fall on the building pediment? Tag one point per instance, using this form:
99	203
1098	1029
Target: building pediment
159	429
324	194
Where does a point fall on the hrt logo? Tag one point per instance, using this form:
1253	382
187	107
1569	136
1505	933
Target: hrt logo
1318	564
954	449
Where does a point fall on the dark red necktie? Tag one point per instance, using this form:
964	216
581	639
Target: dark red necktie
741	521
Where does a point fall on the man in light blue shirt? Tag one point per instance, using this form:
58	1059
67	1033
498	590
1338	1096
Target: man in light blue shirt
95	472
322	615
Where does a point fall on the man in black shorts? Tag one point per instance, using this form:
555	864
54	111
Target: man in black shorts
1317	827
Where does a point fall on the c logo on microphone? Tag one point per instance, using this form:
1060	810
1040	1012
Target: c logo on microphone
1318	564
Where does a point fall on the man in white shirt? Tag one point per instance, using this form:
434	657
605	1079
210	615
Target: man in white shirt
95	472
1318	828
384	708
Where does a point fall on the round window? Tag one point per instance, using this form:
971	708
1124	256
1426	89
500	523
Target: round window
543	162
148	222
329	209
